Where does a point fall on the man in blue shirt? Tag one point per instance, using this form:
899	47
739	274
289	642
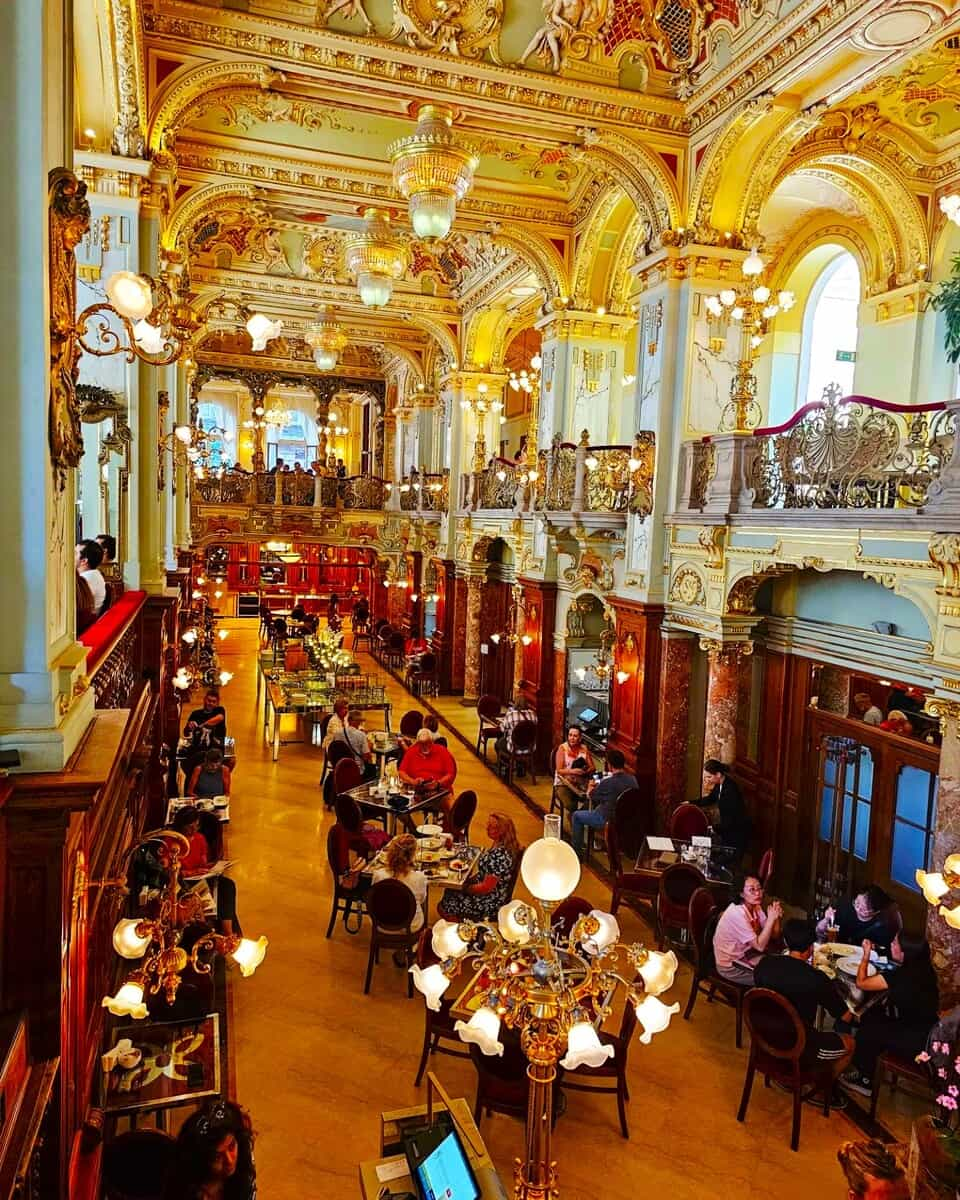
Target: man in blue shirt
603	796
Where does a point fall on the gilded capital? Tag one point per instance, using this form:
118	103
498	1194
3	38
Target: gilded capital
944	551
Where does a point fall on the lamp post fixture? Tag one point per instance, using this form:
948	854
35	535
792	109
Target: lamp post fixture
529	382
548	988
751	306
480	405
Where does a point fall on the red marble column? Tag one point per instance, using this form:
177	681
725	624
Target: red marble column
559	697
673	721
944	941
458	648
471	667
723	694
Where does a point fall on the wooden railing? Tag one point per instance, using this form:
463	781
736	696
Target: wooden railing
851	452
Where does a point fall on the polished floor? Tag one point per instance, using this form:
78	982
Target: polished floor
315	1061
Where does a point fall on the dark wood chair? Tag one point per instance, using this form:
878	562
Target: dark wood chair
777	1042
488	710
135	1164
503	1085
422	677
687	821
438	1027
456	821
522	750
346	775
394	651
626	833
392	908
336	753
677	885
567	913
895	1066
362	636
365	839
411	723
347	894
703	915
613	1071
765	870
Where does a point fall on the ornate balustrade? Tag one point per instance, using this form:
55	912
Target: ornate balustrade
851	452
362	491
290	489
423	492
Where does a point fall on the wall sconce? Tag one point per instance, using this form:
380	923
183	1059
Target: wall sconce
155	314
623	676
937	886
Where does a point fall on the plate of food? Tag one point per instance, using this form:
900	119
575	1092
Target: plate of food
457	864
838	949
429	831
850	966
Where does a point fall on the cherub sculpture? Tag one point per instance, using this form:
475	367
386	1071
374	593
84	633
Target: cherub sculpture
348	9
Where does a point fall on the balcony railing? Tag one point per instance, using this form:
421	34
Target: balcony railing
363	491
291	489
853	452
423	492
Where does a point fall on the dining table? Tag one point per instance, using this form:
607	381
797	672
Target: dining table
444	868
204	803
839	961
396	800
711	861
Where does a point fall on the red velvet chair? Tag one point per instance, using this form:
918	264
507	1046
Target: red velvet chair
703	915
677	885
568	912
456	821
347	896
411	723
687	821
641	886
524	748
391	907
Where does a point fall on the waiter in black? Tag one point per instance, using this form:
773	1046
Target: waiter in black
734	826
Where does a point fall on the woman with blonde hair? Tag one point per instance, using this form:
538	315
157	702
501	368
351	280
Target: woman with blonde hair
400	856
482	899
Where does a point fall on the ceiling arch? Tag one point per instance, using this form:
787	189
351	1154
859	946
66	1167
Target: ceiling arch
191	84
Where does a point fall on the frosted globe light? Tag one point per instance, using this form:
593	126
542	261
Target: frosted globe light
375	290
432	214
431	982
262	329
128	1002
148	337
752	264
761	294
737	313
658	972
606	935
446	941
127	942
654	1016
512	927
933	885
786	300
536	362
130	294
770	311
584	1048
325	360
550	869
483	1029
950	207
727	297
183	433
249	955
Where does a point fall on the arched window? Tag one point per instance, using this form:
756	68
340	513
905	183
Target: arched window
829	342
216	416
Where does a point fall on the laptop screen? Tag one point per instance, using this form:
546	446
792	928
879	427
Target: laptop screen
587	715
445	1173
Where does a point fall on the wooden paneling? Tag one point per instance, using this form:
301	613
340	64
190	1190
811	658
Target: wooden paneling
496	666
633	704
536	685
442	640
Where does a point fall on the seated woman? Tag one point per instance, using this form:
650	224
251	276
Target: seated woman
401	854
871	914
196	862
211	778
213	1159
897	722
481	900
572	768
745	932
902	1022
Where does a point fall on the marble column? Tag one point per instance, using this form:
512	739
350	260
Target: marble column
471	672
673	720
723	691
944	941
458	649
559	696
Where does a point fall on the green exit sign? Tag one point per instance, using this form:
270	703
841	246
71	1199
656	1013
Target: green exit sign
846	356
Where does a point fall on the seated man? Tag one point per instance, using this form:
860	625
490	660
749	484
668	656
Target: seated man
427	763
511	719
206	727
358	743
807	989
603	795
871	914
89	556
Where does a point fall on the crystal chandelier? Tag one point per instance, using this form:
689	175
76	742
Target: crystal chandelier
327	340
376	258
549	988
753	308
277	414
432	171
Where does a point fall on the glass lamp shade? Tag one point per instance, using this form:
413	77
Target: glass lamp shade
509	922
483	1029
951	864
550	869
714	307
737	313
262	329
432	214
606	935
326	360
761	294
727	297
584	1048
130	294
654	1016
536	362
951	916
658	972
183	433
950	207
148	337
446	940
128	1002
249	955
127	942
786	300
432	983
770	311
933	885
375	290
752	264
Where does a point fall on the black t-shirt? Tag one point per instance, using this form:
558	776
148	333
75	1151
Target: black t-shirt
200	716
912	990
802	984
879	928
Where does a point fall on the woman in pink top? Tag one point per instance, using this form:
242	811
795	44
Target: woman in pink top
744	932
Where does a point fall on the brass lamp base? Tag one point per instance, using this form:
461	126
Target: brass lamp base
523	1189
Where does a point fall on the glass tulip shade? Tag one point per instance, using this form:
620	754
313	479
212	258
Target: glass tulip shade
483	1029
325	360
375	290
127	942
262	329
550	869
606	935
249	955
432	214
148	337
128	1002
584	1048
933	885
951	916
951	864
446	941
431	982
512	929
130	294
654	1016
752	264
658	972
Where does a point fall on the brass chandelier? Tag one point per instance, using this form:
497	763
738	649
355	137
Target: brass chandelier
432	171
157	321
376	258
327	340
